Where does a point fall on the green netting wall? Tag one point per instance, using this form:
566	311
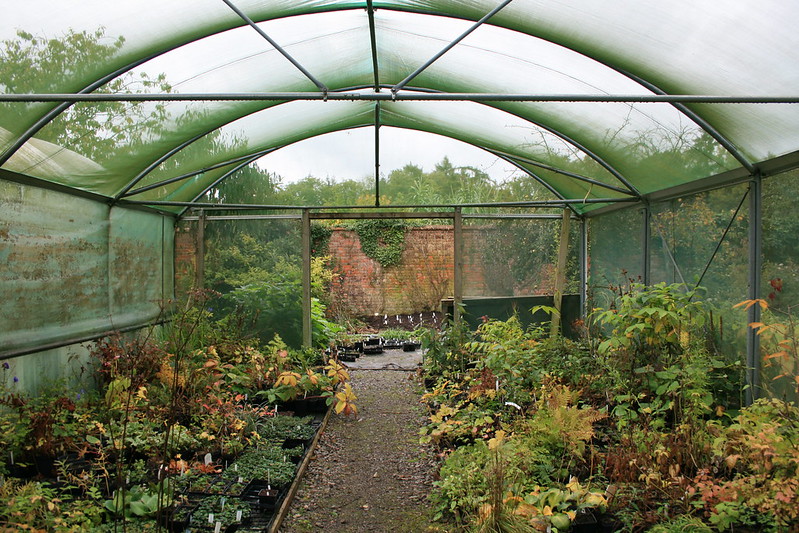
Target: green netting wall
615	254
255	266
690	229
780	281
515	257
509	264
74	267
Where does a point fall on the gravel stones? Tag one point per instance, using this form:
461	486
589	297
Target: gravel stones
369	473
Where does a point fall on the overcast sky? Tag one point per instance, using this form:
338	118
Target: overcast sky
350	155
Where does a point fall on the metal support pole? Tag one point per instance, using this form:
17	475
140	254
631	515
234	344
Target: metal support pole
450	46
307	331
377	154
457	227
646	244
370	12
753	390
321	86
584	273
560	271
200	252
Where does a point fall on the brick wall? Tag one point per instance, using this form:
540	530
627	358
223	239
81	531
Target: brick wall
418	283
425	275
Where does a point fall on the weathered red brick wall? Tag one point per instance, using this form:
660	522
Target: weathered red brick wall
418	283
422	279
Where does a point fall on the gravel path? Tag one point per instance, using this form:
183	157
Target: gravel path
369	473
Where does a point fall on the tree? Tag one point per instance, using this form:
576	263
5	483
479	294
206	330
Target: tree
30	64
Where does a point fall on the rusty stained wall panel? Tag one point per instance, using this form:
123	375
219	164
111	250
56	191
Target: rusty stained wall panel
59	277
140	265
53	266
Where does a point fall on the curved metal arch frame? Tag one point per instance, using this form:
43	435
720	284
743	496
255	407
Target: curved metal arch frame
251	160
682	108
704	125
632	190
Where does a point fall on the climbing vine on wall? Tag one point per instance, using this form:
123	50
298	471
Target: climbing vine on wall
320	238
382	240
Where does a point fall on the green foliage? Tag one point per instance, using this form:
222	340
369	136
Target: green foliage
682	524
272	465
225	511
444	350
651	322
382	239
320	238
402	334
324	331
273	305
462	486
140	501
35	63
506	349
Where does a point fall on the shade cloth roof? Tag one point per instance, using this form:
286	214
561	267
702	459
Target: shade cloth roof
176	145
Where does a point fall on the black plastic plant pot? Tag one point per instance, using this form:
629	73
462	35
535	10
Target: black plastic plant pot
268	498
264	498
293	443
305	406
409	346
585	522
392	344
180	518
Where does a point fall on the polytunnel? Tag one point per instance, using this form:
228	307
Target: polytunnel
658	146
118	118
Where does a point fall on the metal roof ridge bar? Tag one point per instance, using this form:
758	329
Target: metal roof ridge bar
520	216
209	205
437	96
322	87
196	172
370	12
377	154
152	166
564	172
447	48
194	218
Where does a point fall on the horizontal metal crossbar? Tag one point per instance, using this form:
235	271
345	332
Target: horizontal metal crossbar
532	203
389	215
372	96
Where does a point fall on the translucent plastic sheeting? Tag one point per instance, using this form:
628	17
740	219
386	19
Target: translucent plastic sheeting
682	47
72	267
515	138
256	267
653	145
140	261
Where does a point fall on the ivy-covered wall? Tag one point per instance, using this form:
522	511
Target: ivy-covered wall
423	276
